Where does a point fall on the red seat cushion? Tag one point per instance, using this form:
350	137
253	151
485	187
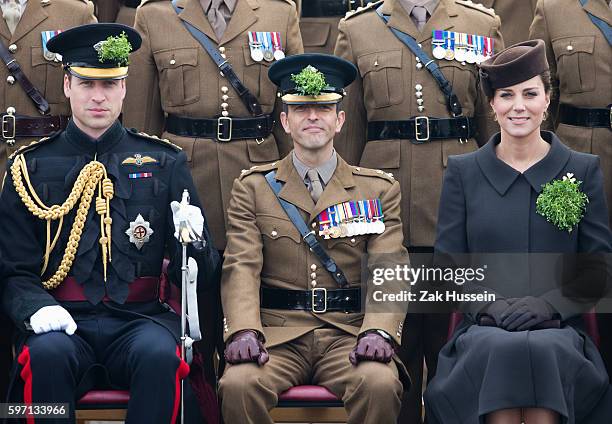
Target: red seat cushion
101	397
308	394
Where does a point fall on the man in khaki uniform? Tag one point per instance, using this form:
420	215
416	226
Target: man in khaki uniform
21	33
580	59
515	16
287	321
106	10
174	81
391	89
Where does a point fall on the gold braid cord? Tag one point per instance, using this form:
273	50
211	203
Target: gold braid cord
92	176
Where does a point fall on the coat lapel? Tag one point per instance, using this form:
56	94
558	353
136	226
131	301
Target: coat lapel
294	190
442	19
336	190
600	9
194	14
33	15
242	18
399	18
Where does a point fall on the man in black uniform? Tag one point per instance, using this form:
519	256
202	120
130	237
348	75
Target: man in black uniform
87	220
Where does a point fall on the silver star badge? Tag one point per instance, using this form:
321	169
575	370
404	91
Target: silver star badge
139	231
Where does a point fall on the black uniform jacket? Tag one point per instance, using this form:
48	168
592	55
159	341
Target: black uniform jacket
147	175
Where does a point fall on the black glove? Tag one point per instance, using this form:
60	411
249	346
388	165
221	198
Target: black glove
525	313
495	310
371	347
246	347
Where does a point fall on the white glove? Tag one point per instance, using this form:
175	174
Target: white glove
52	318
192	215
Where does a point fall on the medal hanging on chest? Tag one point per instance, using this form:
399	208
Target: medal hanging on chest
255	47
438	41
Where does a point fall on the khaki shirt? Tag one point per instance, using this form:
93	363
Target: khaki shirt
580	60
385	90
265	249
173	74
46	76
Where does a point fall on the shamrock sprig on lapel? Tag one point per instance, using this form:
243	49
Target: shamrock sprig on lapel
562	203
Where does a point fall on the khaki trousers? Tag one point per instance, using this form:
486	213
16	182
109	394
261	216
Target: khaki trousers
371	391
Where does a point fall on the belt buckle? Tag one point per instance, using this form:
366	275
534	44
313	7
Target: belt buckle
314	302
221	122
7	120
418	122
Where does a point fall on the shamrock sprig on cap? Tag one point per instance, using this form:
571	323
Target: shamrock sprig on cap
562	203
309	82
115	49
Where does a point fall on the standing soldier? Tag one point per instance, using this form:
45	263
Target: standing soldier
127	12
515	16
224	119
407	118
106	10
24	31
579	51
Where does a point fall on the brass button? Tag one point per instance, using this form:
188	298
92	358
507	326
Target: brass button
418	87
313	267
10	79
224	105
419	65
273	233
421	108
223	56
313	283
313	275
224	89
420	101
13	48
172	62
353	240
418	94
357	168
225	113
222	49
570	48
224	97
313	225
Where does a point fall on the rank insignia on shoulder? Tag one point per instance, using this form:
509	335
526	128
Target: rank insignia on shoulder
139	232
470	48
138	160
353	218
46	36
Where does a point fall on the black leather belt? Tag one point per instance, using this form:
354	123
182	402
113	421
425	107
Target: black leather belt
15	126
317	300
422	129
585	117
224	128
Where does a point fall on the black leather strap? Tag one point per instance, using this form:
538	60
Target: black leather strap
307	235
221	129
11	63
422	129
453	103
16	126
317	300
585	117
249	100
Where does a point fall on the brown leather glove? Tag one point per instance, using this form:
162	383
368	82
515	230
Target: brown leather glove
371	347
246	347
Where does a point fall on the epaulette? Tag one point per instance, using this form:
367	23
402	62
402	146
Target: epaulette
360	170
154	138
33	145
361	9
477	6
258	168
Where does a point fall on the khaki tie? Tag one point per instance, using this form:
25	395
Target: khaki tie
316	189
11	12
217	17
419	13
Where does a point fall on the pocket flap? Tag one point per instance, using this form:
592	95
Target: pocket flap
173	58
277	228
379	60
38	58
315	34
572	45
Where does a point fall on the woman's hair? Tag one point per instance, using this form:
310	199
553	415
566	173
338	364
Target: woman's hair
546	80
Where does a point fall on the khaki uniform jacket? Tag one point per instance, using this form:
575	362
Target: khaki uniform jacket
47	76
580	60
173	74
516	17
106	10
265	249
385	90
